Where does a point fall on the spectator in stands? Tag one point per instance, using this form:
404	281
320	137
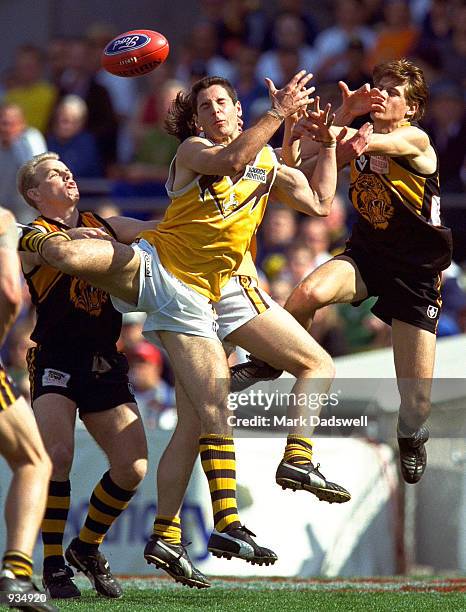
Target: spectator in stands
446	123
453	51
314	234
243	23
199	56
56	59
332	43
435	33
299	263
18	143
30	90
157	148
299	9
153	394
79	78
336	226
280	289
123	92
290	37
68	137
275	236
131	331
251	91
397	35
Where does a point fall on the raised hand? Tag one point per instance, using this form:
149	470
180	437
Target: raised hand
360	101
319	122
294	96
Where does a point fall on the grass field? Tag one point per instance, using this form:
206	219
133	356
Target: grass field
348	595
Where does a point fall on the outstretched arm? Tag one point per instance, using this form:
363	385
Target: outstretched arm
311	189
199	156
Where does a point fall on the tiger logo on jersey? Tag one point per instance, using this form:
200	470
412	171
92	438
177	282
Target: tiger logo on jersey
87	298
372	201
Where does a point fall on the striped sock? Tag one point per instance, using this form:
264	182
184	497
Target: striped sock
219	465
298	450
33	240
107	502
17	562
54	521
168	528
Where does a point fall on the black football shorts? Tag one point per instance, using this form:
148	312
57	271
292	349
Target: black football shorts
94	381
412	299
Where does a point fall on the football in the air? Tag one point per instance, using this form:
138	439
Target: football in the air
135	53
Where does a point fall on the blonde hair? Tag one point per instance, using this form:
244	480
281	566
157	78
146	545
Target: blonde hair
26	176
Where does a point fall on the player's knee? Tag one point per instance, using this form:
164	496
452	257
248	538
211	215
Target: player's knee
316	364
307	296
129	475
61	456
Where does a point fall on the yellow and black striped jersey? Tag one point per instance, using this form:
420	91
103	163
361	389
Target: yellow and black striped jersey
208	227
398	214
72	315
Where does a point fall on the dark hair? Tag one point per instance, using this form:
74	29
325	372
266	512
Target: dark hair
406	73
180	117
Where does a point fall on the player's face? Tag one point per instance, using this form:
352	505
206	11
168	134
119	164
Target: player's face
396	108
56	184
217	114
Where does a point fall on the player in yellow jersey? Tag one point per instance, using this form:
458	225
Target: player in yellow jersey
219	184
398	246
22	448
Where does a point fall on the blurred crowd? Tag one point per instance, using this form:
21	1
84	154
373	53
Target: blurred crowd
105	127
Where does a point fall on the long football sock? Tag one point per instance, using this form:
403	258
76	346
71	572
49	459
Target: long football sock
219	464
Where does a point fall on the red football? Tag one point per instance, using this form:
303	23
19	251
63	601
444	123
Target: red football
134	53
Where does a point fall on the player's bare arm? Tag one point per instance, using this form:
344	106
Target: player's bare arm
10	288
127	229
311	188
231	155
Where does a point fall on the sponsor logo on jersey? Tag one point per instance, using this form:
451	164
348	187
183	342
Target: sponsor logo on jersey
55	378
380	164
259	175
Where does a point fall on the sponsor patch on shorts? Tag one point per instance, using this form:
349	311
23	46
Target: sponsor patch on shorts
432	312
55	378
147	264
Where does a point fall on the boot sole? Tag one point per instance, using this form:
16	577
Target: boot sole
332	497
216	552
163	565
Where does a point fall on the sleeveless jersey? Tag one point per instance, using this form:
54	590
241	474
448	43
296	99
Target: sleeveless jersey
398	215
208	227
72	315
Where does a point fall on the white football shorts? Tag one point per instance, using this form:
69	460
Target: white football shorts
241	300
170	305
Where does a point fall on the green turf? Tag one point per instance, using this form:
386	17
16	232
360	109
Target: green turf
267	595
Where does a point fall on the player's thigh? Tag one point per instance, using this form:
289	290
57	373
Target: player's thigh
336	281
119	432
109	265
200	366
414	355
56	418
276	337
20	441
